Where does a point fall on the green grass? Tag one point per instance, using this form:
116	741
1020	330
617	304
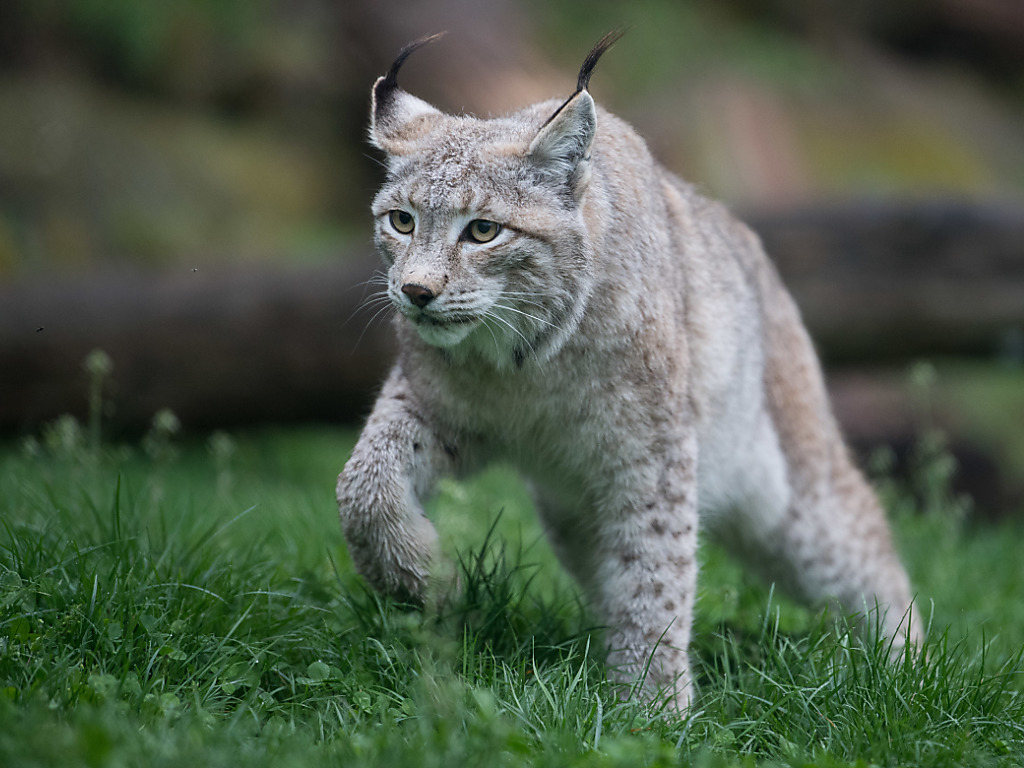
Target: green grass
195	605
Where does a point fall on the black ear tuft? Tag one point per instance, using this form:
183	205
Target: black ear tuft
389	83
606	42
583	81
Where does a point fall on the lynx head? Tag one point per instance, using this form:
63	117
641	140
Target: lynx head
481	221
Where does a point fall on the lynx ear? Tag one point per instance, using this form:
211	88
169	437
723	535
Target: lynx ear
391	108
561	149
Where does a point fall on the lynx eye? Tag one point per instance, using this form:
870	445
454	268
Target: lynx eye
482	230
402	221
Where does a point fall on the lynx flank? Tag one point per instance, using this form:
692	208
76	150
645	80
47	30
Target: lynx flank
568	305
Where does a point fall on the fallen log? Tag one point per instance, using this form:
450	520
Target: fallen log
237	346
219	348
883	282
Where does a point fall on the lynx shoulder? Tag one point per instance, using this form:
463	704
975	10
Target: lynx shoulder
566	304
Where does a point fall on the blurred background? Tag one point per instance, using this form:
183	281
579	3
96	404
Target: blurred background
185	185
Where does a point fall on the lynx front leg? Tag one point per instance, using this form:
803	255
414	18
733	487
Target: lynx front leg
395	463
646	580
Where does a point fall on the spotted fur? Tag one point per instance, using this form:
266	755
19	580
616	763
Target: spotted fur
628	345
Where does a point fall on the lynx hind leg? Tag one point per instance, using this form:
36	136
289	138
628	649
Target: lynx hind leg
823	537
854	561
834	543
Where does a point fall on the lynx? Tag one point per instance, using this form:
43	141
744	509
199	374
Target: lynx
568	305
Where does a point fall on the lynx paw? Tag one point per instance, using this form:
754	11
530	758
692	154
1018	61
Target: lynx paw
396	559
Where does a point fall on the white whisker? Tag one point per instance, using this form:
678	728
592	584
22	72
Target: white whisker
378	278
529	297
515	330
527	293
527	314
536	304
497	346
383	310
375	299
381	163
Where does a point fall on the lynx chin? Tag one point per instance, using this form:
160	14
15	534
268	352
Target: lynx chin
569	306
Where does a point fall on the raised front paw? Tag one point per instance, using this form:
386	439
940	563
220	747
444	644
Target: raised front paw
395	559
395	551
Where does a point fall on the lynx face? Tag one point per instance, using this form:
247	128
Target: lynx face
480	226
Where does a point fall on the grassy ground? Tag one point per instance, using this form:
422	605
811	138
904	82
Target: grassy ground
188	606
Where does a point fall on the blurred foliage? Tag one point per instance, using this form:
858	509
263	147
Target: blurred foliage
170	46
698	38
170	132
161	132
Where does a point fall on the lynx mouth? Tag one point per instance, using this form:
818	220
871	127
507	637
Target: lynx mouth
422	317
442	331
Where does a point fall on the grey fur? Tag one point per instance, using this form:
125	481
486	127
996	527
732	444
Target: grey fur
628	345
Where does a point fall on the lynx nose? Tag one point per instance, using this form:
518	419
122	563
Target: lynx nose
420	295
